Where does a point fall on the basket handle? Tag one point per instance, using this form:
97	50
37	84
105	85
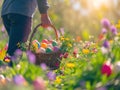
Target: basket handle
34	31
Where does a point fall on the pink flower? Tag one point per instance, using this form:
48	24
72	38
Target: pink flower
39	84
19	80
6	46
113	29
31	57
106	68
43	66
105	23
18	52
102	88
104	31
57	64
62	31
75	52
65	55
3	29
51	75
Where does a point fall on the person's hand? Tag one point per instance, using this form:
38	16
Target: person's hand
45	20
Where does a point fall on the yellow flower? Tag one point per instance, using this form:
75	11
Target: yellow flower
58	80
2	54
111	41
67	39
18	44
118	21
69	45
70	65
117	25
85	51
118	34
62	38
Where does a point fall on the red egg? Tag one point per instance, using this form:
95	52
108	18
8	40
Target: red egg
45	41
50	41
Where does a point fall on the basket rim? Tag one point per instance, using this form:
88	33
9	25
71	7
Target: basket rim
49	53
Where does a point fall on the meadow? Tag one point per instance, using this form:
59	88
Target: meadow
91	60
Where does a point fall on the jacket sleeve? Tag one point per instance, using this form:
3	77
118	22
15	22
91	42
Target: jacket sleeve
42	6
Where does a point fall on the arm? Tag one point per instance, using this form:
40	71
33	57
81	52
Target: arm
43	7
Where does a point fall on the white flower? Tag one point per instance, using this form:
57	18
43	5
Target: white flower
104	50
116	38
117	66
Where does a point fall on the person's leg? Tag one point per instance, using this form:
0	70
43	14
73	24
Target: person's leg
6	23
20	27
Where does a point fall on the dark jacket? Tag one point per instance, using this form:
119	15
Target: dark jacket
24	7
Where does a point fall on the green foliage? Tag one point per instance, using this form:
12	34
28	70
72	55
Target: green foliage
81	70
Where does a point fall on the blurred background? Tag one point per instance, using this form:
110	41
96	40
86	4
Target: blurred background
80	17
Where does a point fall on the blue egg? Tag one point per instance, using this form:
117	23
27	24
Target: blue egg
38	44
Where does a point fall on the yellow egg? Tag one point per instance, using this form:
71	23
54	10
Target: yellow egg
35	46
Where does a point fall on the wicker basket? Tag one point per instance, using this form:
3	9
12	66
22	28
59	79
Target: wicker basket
53	59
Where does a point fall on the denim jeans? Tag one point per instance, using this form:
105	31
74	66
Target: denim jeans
18	28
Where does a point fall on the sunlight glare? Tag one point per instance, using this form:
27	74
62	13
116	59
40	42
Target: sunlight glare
99	3
76	6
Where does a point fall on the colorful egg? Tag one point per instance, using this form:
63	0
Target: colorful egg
45	41
40	50
50	41
36	43
55	48
44	45
50	45
35	46
48	50
54	43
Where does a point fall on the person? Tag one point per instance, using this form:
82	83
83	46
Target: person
17	18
